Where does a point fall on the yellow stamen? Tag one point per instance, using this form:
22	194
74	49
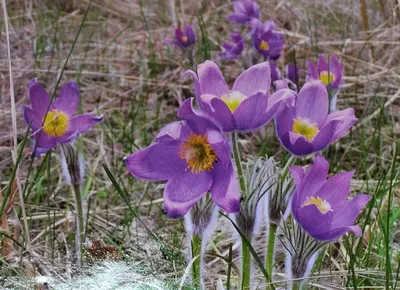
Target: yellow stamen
322	205
264	45
233	100
184	38
198	153
304	127
326	77
56	123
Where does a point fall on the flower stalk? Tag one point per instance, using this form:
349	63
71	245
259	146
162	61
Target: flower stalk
196	245
236	156
270	249
246	266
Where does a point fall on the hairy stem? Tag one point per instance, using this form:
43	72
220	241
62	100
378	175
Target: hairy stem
196	252
270	250
236	156
79	232
246	266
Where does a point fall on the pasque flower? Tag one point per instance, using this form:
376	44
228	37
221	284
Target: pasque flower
248	105
331	74
233	49
266	40
275	73
245	11
305	126
59	124
319	205
293	73
183	39
194	157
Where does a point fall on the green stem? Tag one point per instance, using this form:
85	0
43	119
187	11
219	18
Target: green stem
246	266
285	169
236	156
270	250
196	252
79	232
296	285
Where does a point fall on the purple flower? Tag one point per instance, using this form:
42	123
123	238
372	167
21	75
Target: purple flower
293	73
60	125
234	49
247	106
319	205
275	73
195	158
245	11
183	39
331	74
305	126
267	42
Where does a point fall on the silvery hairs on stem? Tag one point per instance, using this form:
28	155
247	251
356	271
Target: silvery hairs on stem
72	165
301	251
260	177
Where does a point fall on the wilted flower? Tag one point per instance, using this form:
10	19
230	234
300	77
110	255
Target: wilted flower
56	123
306	127
331	74
267	42
194	157
245	11
247	106
293	73
234	49
319	205
183	39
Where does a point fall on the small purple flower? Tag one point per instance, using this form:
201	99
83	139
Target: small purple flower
183	39
275	73
305	127
293	73
319	205
195	158
234	49
331	74
245	11
267	42
60	125
247	106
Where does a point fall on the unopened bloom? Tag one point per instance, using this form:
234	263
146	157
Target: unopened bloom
331	74
183	39
293	73
248	105
245	11
267	41
234	49
319	205
194	157
305	126
56	122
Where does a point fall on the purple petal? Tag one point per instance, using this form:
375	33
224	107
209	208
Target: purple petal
83	123
324	136
280	85
322	63
190	34
159	161
255	79
219	112
239	18
350	210
337	70
346	119
173	131
252	112
225	189
312	102
44	141
297	174
298	145
31	116
183	191
336	189
68	101
335	234
312	71
211	80
39	99
312	220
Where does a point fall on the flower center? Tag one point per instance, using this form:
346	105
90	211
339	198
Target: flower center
184	38
322	205
233	100
304	127
56	123
198	153
263	45
326	77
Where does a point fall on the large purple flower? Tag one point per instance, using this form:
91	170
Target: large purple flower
234	49
320	205
183	39
194	157
267	42
305	126
59	125
247	106
245	11
331	74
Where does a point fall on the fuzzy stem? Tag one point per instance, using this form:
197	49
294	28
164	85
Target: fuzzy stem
236	156
79	232
246	266
196	251
270	250
285	169
296	285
